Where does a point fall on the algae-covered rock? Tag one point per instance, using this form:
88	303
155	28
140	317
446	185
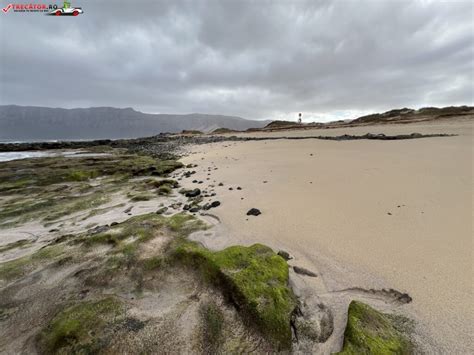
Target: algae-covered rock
80	328
255	279
370	332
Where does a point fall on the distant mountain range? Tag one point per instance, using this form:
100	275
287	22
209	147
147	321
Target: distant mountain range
44	123
30	123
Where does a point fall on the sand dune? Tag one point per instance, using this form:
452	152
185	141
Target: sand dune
368	214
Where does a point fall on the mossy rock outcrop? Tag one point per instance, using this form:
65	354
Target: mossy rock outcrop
254	279
369	331
16	175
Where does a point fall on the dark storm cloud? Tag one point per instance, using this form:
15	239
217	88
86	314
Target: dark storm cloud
261	59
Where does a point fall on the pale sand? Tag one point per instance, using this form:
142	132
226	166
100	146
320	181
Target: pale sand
339	226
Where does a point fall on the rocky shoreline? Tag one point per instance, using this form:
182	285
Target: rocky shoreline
165	145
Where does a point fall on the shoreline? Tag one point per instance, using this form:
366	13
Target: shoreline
438	300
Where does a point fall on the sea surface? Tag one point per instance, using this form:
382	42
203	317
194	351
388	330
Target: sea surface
7	156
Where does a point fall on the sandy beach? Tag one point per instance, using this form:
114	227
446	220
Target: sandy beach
361	214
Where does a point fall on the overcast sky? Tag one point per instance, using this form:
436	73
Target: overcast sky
260	59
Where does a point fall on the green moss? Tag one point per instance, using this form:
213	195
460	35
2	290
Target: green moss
50	206
23	208
212	323
16	268
80	329
76	205
128	254
165	189
371	332
50	188
141	197
254	278
157	183
13	269
81	175
27	173
99	211
48	252
145	227
152	263
18	244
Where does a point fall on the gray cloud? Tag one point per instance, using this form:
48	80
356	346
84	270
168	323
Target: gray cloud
256	59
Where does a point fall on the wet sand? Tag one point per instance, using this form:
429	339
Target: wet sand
369	214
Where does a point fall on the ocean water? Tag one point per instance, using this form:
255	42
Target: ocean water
7	156
27	141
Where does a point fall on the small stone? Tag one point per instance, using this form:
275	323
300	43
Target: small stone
253	212
162	210
239	188
215	204
303	271
285	255
98	229
193	193
221	184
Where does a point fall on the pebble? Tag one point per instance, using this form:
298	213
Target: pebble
253	212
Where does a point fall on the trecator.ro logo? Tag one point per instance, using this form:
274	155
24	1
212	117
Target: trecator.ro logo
47	9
